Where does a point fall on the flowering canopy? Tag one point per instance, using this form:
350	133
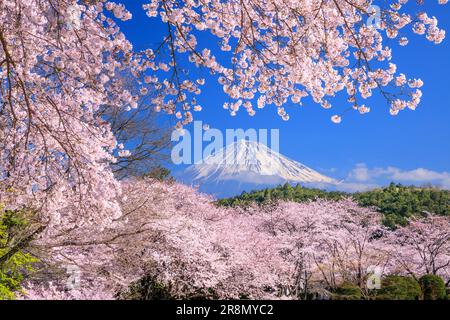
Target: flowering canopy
288	50
283	250
60	61
55	77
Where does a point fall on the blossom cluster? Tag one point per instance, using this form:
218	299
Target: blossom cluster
56	78
182	238
275	52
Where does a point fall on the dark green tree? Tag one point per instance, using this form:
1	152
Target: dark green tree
433	287
399	288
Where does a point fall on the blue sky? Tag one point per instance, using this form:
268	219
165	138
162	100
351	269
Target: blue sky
365	150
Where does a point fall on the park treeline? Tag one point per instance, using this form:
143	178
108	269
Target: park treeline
397	202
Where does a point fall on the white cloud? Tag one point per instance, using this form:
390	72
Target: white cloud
359	173
421	175
361	176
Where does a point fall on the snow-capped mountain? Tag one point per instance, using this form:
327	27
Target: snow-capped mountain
246	165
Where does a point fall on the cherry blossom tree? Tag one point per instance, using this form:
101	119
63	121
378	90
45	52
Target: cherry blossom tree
62	65
142	136
60	61
57	71
180	238
328	243
276	51
171	232
423	247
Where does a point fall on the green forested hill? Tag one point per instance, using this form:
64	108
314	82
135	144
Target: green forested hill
396	202
399	202
285	192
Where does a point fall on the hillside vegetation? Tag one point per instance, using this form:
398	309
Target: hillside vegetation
396	202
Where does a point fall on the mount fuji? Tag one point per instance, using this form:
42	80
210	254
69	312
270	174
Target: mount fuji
248	165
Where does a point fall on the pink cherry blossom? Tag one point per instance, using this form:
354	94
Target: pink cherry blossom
181	237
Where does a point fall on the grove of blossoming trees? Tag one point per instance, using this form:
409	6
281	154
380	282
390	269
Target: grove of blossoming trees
423	246
286	250
60	61
62	65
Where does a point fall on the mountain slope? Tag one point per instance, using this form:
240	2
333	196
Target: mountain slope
247	164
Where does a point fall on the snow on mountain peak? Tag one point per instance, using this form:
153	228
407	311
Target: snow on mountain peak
250	161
